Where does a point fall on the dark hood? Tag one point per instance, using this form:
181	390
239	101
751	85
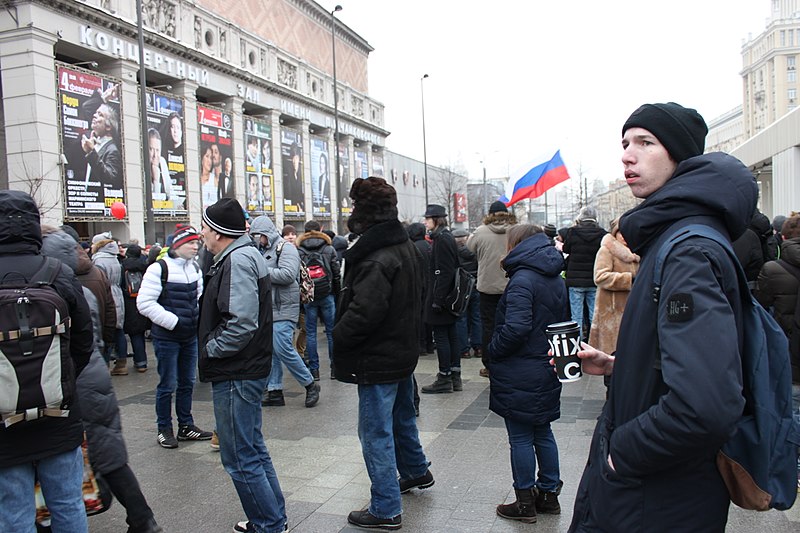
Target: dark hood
761	224
20	231
695	190
416	231
587	231
135	264
59	245
537	254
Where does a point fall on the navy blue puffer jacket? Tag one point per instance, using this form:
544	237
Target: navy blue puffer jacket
523	384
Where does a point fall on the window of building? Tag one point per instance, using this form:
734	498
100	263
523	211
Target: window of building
790	38
790	62
783	38
791	76
792	94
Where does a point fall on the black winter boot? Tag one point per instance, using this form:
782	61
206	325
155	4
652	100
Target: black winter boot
547	502
312	394
524	509
442	384
457	384
273	398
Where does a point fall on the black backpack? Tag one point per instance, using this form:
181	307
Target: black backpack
133	282
320	273
759	462
39	379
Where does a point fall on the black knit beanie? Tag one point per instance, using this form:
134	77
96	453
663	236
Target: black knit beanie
226	217
681	130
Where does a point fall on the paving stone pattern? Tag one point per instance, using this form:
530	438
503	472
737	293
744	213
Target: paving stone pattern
318	459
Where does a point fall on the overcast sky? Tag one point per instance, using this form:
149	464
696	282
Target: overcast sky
510	80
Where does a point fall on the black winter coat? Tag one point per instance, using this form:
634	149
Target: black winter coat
582	242
777	288
467	260
378	313
20	243
135	323
441	278
523	385
663	426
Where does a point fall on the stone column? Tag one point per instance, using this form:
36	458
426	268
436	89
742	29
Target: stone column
273	116
30	109
332	176
304	125
233	104
188	91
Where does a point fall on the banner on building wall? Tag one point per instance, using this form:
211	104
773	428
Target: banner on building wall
459	207
216	154
320	177
91	140
258	166
362	165
377	165
292	165
166	150
345	204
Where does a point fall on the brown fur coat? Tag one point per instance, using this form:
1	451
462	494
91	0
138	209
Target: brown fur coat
615	267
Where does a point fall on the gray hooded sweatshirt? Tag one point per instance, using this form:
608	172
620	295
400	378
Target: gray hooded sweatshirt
284	271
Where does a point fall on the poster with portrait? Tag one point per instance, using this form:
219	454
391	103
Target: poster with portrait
166	154
292	164
258	165
362	165
320	177
216	154
91	140
345	204
377	165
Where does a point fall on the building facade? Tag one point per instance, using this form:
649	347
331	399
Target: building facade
239	102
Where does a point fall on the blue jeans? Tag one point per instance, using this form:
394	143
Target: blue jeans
61	477
328	308
176	364
577	297
529	443
447	346
237	408
137	345
387	429
469	326
283	352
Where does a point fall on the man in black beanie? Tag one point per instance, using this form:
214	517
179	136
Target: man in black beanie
375	347
235	340
676	390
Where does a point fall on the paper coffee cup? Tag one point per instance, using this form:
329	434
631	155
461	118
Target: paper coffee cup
565	342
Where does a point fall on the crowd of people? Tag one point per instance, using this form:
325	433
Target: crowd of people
230	304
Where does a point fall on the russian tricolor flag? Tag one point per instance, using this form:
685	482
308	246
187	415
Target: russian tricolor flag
542	175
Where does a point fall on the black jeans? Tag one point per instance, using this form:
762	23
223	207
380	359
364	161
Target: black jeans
488	308
125	487
447	348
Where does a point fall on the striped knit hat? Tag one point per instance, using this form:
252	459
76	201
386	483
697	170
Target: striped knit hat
226	217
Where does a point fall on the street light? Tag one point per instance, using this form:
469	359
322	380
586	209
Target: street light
424	143
335	99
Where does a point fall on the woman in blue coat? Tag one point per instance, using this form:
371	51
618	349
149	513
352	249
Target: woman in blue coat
524	388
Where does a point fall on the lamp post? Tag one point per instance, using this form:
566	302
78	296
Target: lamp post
335	99
424	143
150	224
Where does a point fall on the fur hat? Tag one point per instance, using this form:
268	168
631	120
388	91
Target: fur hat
681	130
374	201
226	217
183	235
498	207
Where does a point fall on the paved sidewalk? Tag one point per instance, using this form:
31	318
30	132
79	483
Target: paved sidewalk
318	459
